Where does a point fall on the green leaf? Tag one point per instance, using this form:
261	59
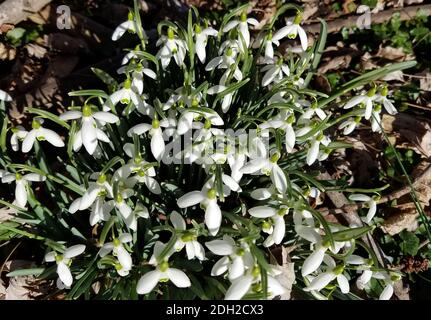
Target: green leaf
319	49
410	243
26	272
50	116
351	233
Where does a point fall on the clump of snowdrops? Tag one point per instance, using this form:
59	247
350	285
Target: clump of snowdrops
182	179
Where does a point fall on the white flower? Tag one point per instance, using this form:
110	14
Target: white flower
96	189
118	250
236	259
4	96
201	38
129	25
252	280
349	125
156	133
369	202
18	133
162	273
284	120
228	59
40	133
89	133
269	50
314	141
208	199
276	227
21	185
315	259
242	24
275	72
143	171
125	95
185	122
292	30
314	109
172	46
187	239
138	76
63	262
269	167
387	104
365	99
333	272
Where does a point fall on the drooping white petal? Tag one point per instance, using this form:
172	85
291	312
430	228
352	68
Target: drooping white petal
177	221
220	247
21	193
89	135
239	288
148	281
213	217
124	257
106	248
343	283
321	281
74	251
279	178
279	229
190	199
139	129
371	212
50	256
157	144
28	141
359	197
262	212
178	278
34	177
121	29
105	117
236	268
303	38
220	266
70	115
52	137
312	262
387	292
354	101
230	25
64	274
313	152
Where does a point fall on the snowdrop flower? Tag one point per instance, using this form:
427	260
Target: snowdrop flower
236	259
162	273
142	170
172	46
129	25
387	104
315	259
366	100
63	262
90	132
201	38
269	167
283	121
314	109
18	133
187	239
375	119
349	125
207	198
185	122
21	185
99	188
275	72
369	202
118	250
333	272
252	282
226	60
242	24
40	133
156	133
269	49
4	96
276	226
125	95
138	76
292	30
315	141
